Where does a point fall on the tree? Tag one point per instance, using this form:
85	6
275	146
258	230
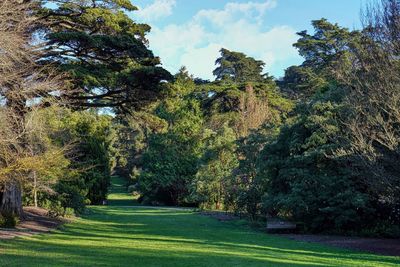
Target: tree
133	132
328	49
253	113
243	106
248	186
24	87
72	159
304	179
327	55
302	82
372	116
46	158
93	157
103	52
170	160
216	166
237	67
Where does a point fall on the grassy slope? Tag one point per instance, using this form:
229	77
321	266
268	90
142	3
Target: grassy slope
145	236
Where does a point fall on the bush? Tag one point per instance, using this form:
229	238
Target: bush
8	221
382	229
68	197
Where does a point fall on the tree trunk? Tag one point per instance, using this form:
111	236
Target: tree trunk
35	189
11	204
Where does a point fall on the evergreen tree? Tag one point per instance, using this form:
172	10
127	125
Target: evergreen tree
327	55
103	52
305	181
171	158
237	67
216	166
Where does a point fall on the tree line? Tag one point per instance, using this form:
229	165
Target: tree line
319	146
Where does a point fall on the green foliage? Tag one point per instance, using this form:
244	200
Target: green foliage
131	141
191	160
237	67
302	81
80	174
170	161
103	52
216	166
226	103
326	167
305	181
327	48
8	221
327	54
94	153
248	187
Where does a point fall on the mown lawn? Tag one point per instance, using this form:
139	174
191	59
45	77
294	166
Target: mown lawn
118	194
145	236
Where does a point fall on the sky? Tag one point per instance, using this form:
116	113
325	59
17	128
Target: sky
191	32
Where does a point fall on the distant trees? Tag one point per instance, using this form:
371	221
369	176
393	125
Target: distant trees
192	161
215	169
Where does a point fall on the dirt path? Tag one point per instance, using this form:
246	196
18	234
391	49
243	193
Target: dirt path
35	222
388	247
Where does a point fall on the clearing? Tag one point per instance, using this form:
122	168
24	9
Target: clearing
161	237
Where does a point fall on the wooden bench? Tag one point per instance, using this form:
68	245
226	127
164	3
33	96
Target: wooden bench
279	225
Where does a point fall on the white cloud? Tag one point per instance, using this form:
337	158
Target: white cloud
158	9
201	60
238	26
231	10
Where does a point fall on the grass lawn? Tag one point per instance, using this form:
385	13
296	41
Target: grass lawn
145	236
118	195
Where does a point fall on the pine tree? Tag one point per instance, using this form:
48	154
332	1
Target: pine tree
103	52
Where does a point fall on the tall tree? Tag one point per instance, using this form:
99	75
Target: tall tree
305	181
216	166
170	160
237	67
24	87
327	55
104	53
372	119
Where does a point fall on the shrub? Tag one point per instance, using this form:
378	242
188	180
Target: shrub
382	229
8	221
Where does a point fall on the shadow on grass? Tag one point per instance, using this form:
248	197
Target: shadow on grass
168	237
112	236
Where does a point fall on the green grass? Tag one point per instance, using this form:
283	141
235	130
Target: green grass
162	237
118	195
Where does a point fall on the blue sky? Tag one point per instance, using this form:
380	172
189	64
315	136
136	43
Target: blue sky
190	32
